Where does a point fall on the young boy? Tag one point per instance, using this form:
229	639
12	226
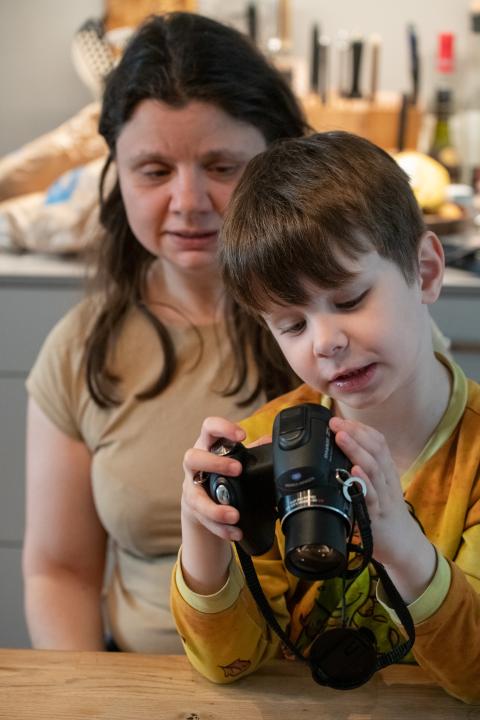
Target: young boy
324	240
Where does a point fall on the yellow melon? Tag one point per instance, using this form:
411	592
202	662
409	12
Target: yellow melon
428	178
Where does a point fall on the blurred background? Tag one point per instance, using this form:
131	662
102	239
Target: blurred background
40	87
405	74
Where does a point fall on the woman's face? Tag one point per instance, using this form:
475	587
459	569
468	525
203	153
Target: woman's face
177	169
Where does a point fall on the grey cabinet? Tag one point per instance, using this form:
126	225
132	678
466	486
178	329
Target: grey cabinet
34	294
457	313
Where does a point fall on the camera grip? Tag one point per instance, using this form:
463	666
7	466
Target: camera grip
252	494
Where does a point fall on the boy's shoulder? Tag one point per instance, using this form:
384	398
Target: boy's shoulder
261	422
463	441
473	397
472	405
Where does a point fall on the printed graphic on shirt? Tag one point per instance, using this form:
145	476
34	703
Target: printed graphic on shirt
235	668
325	611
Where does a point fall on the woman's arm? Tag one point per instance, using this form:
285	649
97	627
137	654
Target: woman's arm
65	543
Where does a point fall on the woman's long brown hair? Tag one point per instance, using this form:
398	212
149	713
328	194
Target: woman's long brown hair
177	58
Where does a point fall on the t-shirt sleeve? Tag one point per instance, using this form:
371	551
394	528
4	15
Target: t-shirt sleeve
57	376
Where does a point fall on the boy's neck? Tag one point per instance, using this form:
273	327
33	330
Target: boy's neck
408	420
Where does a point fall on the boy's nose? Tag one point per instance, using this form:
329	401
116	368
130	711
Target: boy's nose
189	193
329	339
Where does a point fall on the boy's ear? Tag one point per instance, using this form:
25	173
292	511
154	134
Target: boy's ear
431	263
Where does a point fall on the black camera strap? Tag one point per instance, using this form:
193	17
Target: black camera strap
342	658
363	521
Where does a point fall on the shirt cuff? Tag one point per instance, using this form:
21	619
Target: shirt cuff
219	601
430	600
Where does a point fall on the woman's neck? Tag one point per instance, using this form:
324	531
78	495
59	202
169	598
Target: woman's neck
179	297
409	418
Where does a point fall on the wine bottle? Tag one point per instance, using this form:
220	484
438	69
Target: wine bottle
471	112
443	147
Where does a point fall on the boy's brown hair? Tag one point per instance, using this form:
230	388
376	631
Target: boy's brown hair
305	204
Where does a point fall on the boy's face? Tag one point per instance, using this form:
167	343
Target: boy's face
361	342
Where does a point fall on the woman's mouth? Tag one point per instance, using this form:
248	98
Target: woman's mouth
354	380
193	239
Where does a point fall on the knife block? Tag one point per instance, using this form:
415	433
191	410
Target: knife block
378	120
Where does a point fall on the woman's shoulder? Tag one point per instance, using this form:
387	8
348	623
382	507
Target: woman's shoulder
64	345
74	327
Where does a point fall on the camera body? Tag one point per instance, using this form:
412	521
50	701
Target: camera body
297	478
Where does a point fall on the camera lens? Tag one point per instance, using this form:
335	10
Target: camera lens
316	558
315	543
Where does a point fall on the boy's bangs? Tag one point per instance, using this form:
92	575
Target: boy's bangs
278	268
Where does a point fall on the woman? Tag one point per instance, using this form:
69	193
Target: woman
189	104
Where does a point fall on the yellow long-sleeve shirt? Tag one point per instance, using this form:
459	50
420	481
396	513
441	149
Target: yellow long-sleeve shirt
225	635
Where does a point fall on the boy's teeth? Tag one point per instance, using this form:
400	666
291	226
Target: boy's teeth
349	374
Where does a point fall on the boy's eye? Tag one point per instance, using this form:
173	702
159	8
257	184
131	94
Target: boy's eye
350	304
293	329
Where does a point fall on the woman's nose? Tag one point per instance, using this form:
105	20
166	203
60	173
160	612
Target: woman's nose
189	193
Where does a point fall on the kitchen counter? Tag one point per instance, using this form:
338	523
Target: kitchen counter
71	270
460	282
16	269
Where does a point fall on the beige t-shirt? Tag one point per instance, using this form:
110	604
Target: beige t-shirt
137	451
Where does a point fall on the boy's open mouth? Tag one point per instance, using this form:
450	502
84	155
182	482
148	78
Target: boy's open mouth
354	379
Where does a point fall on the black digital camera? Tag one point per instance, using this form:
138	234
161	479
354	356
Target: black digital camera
301	478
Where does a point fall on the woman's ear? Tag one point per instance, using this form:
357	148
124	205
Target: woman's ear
431	263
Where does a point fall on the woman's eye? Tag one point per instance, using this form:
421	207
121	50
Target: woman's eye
350	304
224	170
157	172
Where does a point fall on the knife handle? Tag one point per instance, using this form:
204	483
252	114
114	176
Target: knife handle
357	53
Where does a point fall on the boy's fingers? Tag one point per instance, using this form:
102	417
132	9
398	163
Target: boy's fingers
371	495
219	519
202	505
368	446
214	428
197	460
369	438
356	453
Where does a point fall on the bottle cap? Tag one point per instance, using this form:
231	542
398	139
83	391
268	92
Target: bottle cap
445	56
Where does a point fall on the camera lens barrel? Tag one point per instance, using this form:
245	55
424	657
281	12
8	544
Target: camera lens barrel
316	542
314	513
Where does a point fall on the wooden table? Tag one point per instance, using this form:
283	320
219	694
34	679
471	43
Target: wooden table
46	685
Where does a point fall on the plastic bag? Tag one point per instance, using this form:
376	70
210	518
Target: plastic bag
37	164
64	219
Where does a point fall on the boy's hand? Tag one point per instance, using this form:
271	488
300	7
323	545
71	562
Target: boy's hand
197	507
397	537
